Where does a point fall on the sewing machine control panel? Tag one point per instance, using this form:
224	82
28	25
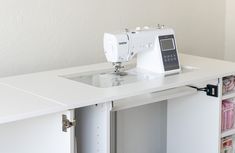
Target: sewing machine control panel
169	52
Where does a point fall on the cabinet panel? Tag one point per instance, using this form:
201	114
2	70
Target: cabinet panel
193	124
37	135
93	128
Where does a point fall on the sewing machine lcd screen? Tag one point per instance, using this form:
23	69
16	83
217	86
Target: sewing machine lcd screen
169	52
167	44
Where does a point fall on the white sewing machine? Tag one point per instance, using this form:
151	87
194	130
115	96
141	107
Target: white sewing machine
156	54
155	48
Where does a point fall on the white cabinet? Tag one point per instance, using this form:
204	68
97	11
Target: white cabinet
178	120
187	123
37	135
160	115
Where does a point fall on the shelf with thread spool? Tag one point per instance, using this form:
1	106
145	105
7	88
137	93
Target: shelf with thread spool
228	133
228	95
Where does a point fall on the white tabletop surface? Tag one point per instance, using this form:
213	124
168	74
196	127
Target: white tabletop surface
47	92
16	105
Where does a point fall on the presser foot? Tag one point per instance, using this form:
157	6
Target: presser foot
117	69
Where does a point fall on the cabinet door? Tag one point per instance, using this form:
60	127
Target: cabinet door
37	135
193	124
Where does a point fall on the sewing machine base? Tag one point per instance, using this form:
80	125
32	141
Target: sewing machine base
111	79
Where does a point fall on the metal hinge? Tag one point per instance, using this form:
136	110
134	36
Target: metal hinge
66	123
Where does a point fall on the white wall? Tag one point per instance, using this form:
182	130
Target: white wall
38	35
230	30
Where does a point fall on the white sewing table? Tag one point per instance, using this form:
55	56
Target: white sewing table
186	120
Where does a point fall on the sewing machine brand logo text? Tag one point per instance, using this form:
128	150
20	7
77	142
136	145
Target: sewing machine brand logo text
122	43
